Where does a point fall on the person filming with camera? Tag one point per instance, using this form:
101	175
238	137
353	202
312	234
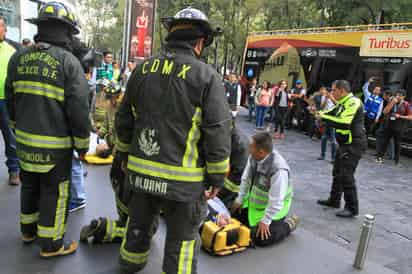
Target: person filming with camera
397	114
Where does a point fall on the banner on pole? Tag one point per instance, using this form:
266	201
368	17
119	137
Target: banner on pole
142	20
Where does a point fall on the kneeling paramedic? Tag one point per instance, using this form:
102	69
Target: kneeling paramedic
173	131
265	194
104	230
47	98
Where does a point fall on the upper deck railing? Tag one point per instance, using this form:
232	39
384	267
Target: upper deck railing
358	28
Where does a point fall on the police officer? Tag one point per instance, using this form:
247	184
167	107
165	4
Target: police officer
174	126
47	99
348	119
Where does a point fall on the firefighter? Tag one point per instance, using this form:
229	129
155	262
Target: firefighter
104	230
173	131
47	99
348	118
238	158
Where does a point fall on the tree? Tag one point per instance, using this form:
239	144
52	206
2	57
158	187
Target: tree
103	22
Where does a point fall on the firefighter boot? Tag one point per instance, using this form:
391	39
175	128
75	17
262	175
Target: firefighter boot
95	231
66	249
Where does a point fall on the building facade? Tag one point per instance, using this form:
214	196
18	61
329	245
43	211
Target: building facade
15	11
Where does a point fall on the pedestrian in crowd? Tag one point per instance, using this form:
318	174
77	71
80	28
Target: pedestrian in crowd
77	190
310	121
26	43
314	105
263	100
116	71
173	129
297	112
281	102
398	112
380	132
53	124
251	99
233	93
327	103
7	49
105	71
131	65
373	105
348	118
275	88
266	193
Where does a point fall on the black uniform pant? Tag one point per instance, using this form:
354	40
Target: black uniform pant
343	173
389	133
182	240
279	230
44	204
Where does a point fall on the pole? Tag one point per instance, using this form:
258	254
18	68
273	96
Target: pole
364	241
126	32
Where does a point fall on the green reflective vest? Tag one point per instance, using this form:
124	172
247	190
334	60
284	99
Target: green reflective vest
257	200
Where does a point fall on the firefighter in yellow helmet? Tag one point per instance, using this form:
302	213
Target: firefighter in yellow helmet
173	130
47	99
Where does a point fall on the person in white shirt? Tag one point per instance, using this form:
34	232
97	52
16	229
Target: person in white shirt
265	194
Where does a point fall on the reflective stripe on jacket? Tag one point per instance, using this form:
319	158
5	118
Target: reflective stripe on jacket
174	126
47	99
348	119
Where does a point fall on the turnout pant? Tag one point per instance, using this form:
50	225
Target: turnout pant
112	231
343	173
182	240
115	229
44	204
279	230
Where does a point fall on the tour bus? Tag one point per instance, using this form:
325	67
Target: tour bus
318	56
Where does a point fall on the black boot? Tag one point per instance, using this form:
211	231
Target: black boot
95	231
329	203
346	213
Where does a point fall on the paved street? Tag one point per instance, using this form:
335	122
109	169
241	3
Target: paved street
384	191
323	243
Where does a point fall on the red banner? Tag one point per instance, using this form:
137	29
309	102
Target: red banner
141	29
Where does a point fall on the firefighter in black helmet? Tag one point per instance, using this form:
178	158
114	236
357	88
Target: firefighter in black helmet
47	99
173	131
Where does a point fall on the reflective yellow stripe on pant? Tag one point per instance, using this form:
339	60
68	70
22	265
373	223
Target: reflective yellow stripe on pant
186	257
132	257
27	219
57	231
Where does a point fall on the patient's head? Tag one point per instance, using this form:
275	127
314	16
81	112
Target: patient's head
103	151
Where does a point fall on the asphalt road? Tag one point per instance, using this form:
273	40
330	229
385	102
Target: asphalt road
323	244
